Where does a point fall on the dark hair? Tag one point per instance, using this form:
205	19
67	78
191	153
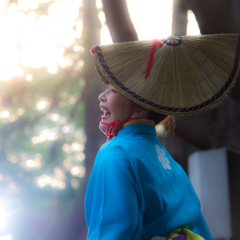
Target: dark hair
167	121
156	117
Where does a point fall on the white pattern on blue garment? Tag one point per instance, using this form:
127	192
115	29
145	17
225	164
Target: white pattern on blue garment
162	157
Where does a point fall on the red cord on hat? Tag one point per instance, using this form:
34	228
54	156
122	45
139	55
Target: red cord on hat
150	60
92	51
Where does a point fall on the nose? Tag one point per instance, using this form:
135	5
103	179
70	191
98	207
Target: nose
102	96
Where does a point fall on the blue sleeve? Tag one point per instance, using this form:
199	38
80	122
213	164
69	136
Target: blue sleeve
112	207
201	228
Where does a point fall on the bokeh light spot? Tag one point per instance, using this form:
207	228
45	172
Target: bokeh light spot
20	111
75	183
78	171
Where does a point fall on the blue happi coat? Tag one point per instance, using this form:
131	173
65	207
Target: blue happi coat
136	190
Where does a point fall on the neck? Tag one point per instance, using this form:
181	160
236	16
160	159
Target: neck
114	127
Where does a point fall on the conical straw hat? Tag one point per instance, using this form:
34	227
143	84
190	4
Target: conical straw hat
173	76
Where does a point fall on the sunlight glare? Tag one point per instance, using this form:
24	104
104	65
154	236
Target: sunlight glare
10	26
55	117
78	48
44	180
59	173
34	4
24	4
157	24
29	77
3	6
33	163
78	171
105	34
30	163
64	62
41	182
192	26
6	237
67	10
49	134
99	4
39	45
42	39
52	68
159	21
3	216
42	104
5	114
66	129
79	29
61	184
77	147
55	182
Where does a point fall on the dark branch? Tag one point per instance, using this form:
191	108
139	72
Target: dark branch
118	21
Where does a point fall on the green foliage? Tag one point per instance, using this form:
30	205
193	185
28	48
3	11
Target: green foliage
42	140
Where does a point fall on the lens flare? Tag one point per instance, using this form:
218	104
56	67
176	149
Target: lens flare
6	237
3	216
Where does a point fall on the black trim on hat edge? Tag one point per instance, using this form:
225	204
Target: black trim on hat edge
218	96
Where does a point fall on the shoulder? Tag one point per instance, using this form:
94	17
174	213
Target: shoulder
112	155
112	148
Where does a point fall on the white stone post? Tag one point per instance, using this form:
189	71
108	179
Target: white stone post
215	176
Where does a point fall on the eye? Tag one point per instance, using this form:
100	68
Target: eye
113	90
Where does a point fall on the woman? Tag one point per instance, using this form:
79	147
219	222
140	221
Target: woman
136	190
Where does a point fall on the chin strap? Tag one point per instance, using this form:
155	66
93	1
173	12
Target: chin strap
117	125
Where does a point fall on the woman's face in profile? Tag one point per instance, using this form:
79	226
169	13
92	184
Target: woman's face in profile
115	107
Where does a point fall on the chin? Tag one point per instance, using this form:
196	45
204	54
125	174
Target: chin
103	127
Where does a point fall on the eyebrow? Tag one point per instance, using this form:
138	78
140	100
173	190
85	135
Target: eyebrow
115	89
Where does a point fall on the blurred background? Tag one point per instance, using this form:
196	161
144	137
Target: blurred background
49	110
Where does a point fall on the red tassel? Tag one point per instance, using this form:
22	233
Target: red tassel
150	60
117	125
92	52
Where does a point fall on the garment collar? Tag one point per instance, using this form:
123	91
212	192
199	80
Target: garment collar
142	127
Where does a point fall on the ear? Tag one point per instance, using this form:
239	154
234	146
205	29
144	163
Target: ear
140	113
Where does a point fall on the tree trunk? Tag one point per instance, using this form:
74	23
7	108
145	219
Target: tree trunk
118	20
91	36
216	16
214	128
179	18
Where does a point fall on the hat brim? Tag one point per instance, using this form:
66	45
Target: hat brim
186	78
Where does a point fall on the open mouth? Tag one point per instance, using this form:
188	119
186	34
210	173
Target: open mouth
106	112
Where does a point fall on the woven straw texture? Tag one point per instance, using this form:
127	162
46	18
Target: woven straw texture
188	74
